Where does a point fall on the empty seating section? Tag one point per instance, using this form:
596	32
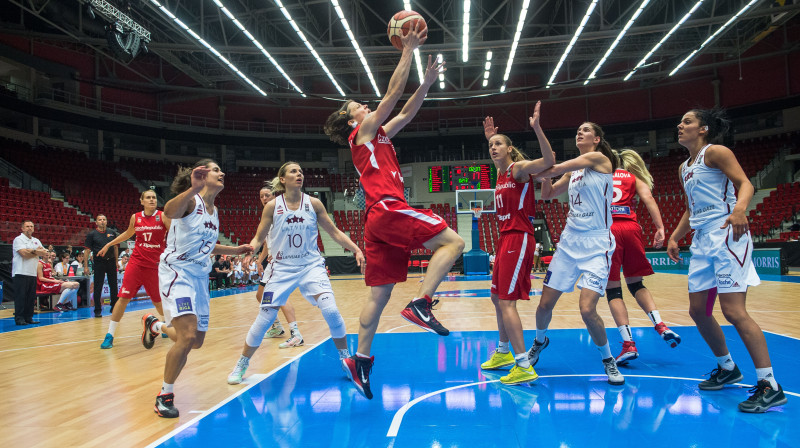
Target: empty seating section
149	170
55	223
780	206
351	222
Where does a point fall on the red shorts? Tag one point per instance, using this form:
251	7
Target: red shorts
629	254
392	229
48	288
137	276
511	276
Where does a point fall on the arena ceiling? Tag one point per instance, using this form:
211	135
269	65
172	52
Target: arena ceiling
545	33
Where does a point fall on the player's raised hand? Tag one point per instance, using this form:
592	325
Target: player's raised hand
199	176
415	36
434	68
535	124
488	127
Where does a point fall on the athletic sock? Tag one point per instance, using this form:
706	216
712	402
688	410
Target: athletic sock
766	374
361	355
167	388
540	335
655	317
112	328
726	362
244	358
502	347
155	327
522	360
605	350
344	353
277	324
625	332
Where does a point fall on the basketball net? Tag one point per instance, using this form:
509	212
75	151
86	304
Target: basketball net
476	213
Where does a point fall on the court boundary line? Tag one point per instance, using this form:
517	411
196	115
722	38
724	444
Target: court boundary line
397	420
230	398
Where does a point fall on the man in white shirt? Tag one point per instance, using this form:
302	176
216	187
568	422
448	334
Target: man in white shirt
27	251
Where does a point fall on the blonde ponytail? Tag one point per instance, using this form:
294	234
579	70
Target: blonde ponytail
632	162
277	187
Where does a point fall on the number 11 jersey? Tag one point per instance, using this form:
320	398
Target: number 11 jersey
293	238
191	240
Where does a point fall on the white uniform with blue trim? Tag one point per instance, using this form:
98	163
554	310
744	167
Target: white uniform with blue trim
296	261
717	260
186	262
586	245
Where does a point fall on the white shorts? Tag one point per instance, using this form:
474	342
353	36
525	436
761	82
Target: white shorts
718	261
587	253
281	280
182	293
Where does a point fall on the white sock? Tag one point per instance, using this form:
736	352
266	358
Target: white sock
502	347
167	388
655	317
726	362
605	350
361	355
344	353
293	326
766	374
244	359
277	324
540	335
156	326
112	327
625	332
522	360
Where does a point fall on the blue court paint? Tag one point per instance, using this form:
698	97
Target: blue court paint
310	403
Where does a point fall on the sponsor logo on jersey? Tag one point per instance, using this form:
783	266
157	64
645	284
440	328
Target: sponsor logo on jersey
158	217
547	276
724	281
306	207
124	291
697	211
384	139
266	299
505	185
594	281
504	217
138	220
183	304
620	210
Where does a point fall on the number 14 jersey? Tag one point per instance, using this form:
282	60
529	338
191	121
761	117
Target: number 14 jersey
293	238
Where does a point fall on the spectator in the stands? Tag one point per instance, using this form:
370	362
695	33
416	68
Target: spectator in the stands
104	267
27	251
219	272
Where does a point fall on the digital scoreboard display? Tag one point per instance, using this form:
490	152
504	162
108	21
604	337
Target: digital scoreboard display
461	177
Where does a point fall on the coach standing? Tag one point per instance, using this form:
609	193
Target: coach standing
27	249
103	266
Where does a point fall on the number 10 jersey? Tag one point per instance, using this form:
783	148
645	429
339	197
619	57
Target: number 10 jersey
293	238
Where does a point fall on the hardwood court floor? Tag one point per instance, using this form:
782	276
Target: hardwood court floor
61	389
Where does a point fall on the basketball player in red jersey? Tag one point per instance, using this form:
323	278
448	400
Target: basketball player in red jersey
631	179
516	207
150	227
392	227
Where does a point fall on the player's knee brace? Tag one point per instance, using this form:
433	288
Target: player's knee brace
266	316
614	293
634	287
327	305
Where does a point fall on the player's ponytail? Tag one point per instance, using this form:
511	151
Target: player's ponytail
603	146
631	161
337	127
183	180
277	187
516	154
719	125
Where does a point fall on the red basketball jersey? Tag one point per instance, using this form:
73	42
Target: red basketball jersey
624	190
376	163
150	239
515	203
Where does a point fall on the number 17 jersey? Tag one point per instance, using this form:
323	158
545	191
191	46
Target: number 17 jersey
191	240
293	237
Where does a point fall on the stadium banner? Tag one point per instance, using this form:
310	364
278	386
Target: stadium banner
766	261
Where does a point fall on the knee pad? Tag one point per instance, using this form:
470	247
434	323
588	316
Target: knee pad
259	328
634	287
614	293
331	314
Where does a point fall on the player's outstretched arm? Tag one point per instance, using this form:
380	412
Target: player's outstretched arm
183	204
646	196
264	225
413	104
338	236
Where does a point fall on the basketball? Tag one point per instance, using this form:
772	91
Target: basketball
400	24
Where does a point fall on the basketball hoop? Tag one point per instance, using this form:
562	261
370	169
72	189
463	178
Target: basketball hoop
476	212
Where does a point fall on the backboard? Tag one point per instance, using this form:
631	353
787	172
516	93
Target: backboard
468	200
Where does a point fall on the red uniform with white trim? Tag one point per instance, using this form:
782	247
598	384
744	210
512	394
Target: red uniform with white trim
392	229
516	207
629	254
47	288
142	269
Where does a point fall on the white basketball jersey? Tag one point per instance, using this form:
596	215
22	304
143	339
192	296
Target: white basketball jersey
709	192
293	237
590	197
191	240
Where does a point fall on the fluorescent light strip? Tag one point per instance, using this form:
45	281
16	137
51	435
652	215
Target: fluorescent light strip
203	42
439	59
465	33
517	34
487	67
352	38
308	45
663	39
616	41
407	7
259	46
572	42
716	33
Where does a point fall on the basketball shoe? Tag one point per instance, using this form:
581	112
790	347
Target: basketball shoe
670	337
165	406
418	312
763	398
519	375
108	342
720	377
276	331
239	369
358	370
295	341
629	353
536	349
498	360
614	377
148	336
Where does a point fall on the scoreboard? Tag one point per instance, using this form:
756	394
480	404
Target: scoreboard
461	177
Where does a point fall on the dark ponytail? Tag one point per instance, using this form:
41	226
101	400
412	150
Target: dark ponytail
719	126
337	127
183	180
604	147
